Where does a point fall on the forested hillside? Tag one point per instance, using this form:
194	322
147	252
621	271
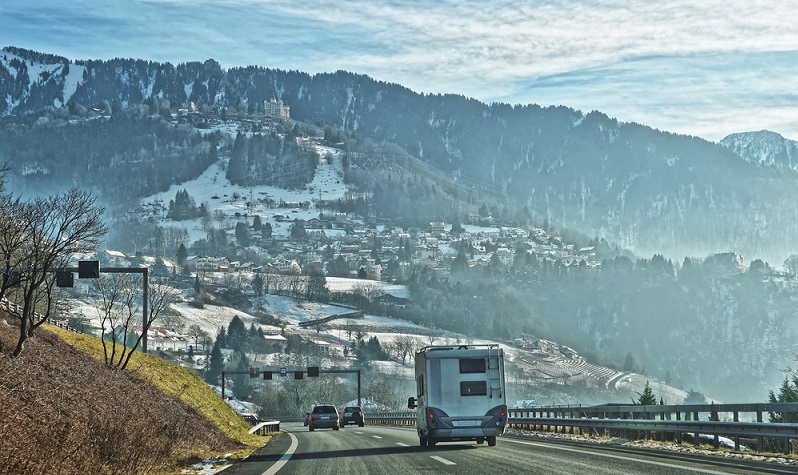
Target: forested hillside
647	190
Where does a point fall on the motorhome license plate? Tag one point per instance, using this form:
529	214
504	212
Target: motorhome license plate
470	422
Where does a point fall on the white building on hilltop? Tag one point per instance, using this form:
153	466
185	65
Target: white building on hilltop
275	108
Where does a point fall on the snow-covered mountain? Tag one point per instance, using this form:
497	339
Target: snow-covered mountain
647	190
764	148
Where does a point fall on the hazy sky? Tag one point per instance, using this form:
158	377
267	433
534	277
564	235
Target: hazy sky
707	68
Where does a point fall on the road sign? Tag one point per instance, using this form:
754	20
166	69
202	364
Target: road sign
283	372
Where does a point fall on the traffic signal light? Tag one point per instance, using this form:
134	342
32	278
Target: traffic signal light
313	371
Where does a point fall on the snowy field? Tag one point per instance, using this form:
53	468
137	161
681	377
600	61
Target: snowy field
211	317
213	188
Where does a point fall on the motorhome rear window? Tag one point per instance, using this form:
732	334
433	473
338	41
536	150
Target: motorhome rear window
476	365
473	388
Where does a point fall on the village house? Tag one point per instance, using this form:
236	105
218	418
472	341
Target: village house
114	258
287	266
207	264
160	338
437	227
275	340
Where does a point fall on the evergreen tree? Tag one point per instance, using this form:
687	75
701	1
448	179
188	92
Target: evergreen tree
298	230
360	350
242	234
459	263
221	338
317	286
237	334
647	398
215	365
632	363
787	393
694	397
257	285
254	333
197	284
266	230
236	166
242	383
182	254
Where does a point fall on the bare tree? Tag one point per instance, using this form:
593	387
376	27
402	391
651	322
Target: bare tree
121	313
54	228
173	321
13	238
117	292
197	333
368	290
406	346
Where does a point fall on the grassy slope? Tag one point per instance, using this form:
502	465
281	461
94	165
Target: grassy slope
174	381
61	411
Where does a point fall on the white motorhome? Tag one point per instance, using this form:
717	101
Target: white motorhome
460	394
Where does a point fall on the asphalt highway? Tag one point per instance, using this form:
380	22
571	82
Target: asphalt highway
382	450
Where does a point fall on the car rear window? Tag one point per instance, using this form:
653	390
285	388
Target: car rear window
323	409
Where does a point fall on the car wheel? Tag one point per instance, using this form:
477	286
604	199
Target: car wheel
491	440
361	424
336	427
310	428
432	442
422	441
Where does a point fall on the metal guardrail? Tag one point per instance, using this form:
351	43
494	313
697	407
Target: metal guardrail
265	427
13	307
636	422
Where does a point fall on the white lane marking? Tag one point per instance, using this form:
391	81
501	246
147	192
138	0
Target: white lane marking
442	460
287	455
356	432
403	445
619	457
376	437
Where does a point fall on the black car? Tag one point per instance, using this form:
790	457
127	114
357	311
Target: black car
323	416
352	415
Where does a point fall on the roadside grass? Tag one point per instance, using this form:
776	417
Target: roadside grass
177	382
